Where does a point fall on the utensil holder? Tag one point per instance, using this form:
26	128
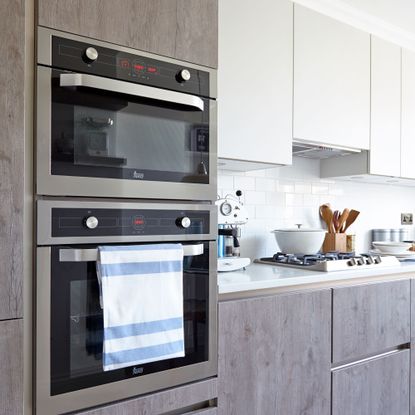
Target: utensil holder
335	242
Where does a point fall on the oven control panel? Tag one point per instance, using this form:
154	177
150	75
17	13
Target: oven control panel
78	222
89	58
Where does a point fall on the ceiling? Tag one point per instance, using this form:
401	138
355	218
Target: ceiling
399	13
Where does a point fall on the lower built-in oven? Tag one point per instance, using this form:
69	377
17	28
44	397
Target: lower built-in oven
116	122
69	319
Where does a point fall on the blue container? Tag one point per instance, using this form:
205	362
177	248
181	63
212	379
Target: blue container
221	244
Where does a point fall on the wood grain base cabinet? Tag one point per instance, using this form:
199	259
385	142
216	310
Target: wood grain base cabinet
165	402
12	50
182	29
369	319
376	387
11	367
274	355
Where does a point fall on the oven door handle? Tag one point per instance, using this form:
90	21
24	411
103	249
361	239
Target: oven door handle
87	255
123	87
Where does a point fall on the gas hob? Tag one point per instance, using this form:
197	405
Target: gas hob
332	261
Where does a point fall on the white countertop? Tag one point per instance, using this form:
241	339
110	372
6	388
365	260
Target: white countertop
262	277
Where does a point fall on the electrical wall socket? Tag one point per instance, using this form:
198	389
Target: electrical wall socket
407	218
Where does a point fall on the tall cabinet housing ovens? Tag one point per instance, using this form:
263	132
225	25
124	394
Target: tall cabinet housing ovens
125	154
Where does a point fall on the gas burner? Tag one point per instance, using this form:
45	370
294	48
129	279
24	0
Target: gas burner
331	261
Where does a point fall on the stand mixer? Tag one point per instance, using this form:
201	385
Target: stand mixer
231	214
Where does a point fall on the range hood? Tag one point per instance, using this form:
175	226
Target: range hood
317	151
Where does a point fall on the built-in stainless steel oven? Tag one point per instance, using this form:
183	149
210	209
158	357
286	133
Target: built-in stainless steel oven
116	122
69	319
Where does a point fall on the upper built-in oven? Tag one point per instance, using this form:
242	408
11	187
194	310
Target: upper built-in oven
117	122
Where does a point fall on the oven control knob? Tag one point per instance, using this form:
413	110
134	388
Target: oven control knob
183	75
91	222
90	55
183	222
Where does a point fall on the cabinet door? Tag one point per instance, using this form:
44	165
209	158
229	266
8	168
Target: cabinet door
182	29
385	134
255	80
408	115
369	319
274	355
376	387
11	367
331	81
12	29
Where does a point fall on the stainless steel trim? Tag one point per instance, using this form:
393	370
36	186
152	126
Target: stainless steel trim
48	184
44	222
85	398
44	53
86	255
124	87
369	359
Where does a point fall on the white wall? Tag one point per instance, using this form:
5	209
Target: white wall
284	196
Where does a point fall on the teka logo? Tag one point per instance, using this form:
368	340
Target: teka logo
137	370
138	175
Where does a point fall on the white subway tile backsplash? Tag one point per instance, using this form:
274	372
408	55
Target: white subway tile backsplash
255	198
284	196
294	199
266	212
302	187
275	198
244	183
286	186
320	188
264	184
225	182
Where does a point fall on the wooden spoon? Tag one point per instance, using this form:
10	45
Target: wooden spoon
343	218
336	223
351	218
327	215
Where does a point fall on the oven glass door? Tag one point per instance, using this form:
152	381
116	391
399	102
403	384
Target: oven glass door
77	324
113	129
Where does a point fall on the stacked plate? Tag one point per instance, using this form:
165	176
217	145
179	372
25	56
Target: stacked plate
397	249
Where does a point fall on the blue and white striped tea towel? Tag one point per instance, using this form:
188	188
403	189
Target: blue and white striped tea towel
141	289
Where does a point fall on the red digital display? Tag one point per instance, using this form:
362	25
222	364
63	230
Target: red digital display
151	69
138	222
138	67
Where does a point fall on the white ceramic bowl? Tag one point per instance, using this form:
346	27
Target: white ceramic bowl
299	241
392	247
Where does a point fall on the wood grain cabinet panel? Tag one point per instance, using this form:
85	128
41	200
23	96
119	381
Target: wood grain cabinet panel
274	355
376	387
165	402
11	367
369	319
12	49
182	29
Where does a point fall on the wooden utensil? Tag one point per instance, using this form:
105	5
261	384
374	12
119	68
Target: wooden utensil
327	215
351	218
336	217
342	220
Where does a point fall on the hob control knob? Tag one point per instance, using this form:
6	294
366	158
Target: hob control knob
183	75
183	222
91	222
90	55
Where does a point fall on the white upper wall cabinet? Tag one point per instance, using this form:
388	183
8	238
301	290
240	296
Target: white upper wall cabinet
331	81
255	81
385	135
408	115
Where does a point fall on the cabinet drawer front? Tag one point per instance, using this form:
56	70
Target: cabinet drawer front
376	387
369	319
205	411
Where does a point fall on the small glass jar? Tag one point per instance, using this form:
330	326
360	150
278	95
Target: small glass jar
351	243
